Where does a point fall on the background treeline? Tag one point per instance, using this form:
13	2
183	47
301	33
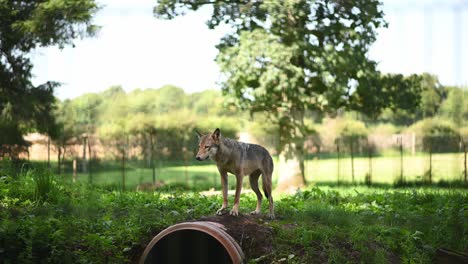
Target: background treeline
163	120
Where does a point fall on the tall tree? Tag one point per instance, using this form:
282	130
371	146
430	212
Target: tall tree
286	57
86	120
24	26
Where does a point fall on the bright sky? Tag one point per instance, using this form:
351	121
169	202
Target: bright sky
136	50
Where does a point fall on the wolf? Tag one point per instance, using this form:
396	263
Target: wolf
240	159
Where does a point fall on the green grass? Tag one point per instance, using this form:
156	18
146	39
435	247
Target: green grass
78	223
447	167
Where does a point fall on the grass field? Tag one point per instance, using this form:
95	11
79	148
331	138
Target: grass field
385	170
44	219
447	167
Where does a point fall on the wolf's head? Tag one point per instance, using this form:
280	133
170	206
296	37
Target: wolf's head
208	144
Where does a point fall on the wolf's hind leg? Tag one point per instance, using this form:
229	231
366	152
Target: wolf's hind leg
253	178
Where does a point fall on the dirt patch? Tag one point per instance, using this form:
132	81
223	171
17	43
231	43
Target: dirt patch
251	232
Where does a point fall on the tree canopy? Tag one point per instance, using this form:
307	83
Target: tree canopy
25	26
288	57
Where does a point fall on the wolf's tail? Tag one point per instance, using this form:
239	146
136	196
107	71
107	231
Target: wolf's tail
267	177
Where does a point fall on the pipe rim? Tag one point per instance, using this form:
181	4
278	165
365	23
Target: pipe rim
215	230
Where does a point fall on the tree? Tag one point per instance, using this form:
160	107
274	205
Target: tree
62	130
286	57
352	133
24	26
432	95
86	109
453	106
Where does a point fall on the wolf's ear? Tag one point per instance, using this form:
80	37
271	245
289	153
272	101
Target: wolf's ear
216	134
199	135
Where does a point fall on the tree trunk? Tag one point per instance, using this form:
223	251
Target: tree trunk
291	156
63	154
291	167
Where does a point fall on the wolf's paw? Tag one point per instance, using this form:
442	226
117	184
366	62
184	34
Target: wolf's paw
234	212
221	211
271	216
255	212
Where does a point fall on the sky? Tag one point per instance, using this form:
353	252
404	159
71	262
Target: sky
135	50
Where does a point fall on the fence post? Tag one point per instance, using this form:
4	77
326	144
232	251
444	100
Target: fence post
337	142
400	146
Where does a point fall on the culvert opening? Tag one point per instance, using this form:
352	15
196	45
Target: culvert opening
193	242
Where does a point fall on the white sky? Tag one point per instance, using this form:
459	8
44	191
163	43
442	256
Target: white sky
136	50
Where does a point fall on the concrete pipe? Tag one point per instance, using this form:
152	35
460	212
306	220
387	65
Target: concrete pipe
193	242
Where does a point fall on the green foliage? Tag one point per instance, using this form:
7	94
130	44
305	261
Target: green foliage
371	225
82	224
431	96
423	92
455	107
79	224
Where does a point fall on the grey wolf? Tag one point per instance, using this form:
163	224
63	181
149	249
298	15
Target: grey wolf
239	159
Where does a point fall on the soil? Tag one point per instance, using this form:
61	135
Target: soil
251	232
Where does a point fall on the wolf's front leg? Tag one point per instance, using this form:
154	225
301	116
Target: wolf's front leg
235	208
224	184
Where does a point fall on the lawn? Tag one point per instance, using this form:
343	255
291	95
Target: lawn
387	169
47	220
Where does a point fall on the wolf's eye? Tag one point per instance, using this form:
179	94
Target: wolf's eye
207	147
